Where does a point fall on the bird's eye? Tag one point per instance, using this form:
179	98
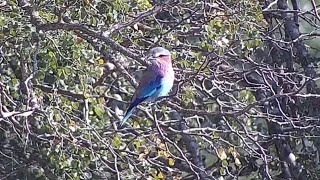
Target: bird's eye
161	55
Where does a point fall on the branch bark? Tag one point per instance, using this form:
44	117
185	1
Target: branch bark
98	35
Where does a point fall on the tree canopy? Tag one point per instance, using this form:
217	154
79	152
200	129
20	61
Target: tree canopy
245	102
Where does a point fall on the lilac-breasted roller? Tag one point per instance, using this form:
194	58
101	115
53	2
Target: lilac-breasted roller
156	81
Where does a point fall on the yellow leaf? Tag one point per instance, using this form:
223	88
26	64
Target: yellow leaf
219	23
162	146
142	156
222	154
171	161
238	162
231	150
163	153
160	175
101	61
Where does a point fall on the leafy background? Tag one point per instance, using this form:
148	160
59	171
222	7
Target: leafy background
245	104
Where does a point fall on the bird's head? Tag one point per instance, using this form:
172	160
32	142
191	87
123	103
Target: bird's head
159	53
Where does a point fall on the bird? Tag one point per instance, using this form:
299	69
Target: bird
157	80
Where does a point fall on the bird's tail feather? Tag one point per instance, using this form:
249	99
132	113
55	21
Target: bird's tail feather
126	117
132	106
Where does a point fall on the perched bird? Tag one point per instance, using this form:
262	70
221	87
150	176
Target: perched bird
156	81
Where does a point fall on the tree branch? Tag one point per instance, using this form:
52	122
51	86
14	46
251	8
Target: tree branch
139	18
98	35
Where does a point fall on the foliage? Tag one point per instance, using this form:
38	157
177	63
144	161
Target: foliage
245	102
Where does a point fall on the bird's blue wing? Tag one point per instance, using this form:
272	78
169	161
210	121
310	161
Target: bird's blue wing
146	89
150	88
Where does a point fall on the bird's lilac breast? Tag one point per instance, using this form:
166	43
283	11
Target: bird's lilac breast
163	68
167	80
167	83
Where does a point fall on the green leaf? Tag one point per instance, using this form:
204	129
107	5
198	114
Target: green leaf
224	163
99	110
116	141
222	171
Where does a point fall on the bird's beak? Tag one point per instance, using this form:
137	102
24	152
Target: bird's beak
149	57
